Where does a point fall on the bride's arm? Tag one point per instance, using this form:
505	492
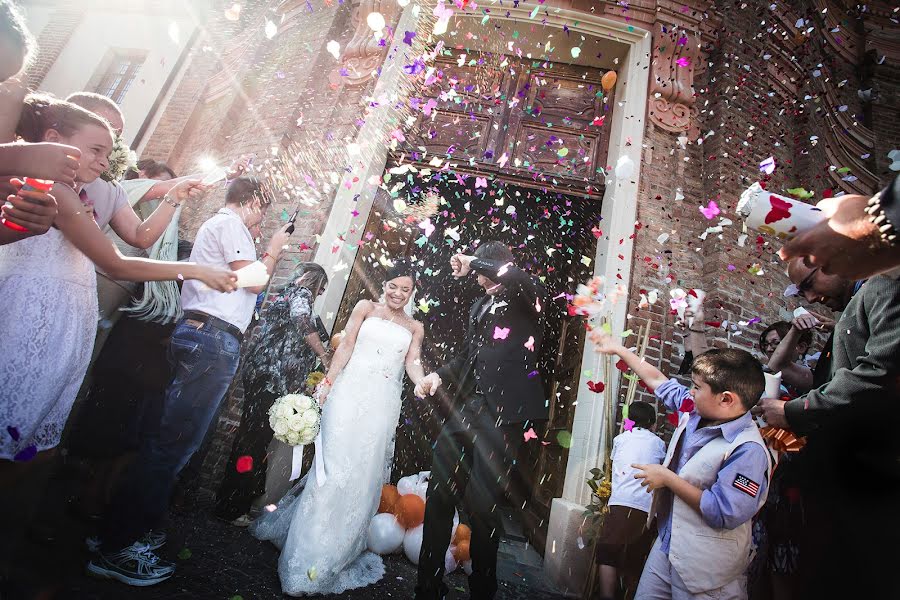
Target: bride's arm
345	350
414	356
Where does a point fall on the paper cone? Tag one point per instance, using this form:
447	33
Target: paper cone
253	275
776	215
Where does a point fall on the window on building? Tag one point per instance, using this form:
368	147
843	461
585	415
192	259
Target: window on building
117	72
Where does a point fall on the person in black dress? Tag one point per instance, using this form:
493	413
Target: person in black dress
290	345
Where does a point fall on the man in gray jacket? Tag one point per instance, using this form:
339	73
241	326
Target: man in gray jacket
851	463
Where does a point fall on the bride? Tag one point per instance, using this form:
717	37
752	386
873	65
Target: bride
321	525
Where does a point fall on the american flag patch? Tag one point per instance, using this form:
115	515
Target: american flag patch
746	485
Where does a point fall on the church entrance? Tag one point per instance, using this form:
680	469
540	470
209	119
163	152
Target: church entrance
530	178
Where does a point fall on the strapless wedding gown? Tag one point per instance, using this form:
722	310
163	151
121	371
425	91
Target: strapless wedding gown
321	527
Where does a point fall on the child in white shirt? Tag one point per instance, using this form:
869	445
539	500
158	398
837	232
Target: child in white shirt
625	525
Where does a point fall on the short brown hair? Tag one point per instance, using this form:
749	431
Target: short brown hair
244	189
92	102
41	113
731	370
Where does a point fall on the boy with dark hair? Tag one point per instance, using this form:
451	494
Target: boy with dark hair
714	478
623	536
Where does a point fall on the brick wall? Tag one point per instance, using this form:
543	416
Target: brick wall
52	39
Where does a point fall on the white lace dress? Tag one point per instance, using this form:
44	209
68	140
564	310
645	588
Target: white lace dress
322	529
49	293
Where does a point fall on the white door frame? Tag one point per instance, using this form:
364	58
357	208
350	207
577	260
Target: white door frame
619	208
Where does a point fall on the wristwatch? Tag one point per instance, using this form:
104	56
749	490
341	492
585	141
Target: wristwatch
884	212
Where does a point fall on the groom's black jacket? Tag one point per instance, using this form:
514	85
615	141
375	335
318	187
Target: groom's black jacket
502	347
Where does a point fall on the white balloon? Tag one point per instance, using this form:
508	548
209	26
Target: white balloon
450	562
375	21
421	490
407	485
385	534
467	567
412	544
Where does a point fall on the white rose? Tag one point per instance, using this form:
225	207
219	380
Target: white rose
280	427
293	439
303	403
285	410
306	436
310	418
295	423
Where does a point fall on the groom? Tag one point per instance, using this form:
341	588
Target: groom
498	391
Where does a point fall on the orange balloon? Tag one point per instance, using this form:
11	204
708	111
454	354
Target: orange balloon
389	497
461	552
608	81
410	511
463	534
336	340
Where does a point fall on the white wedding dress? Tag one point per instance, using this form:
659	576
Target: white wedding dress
321	527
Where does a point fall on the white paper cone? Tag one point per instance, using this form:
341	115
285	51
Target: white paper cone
773	390
777	215
773	385
214	176
694	304
296	462
253	275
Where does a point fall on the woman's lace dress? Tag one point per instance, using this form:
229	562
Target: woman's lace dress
322	529
49	293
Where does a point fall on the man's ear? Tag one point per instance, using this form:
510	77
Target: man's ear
52	135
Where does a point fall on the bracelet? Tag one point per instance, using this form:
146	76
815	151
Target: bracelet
696	330
265	254
327	381
171	202
879	219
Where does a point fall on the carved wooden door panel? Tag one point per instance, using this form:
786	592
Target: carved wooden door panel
525	119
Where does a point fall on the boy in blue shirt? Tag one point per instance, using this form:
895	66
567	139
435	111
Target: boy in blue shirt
714	478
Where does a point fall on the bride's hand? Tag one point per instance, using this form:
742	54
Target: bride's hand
322	393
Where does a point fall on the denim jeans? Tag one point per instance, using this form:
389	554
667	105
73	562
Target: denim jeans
204	362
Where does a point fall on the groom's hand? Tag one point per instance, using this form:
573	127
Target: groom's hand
428	385
461	264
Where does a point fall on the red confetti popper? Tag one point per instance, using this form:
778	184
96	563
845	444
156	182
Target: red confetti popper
33	185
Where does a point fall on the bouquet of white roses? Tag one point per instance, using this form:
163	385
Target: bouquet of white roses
121	158
295	419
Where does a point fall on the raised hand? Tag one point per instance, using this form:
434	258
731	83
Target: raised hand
239	166
461	264
805	322
188	189
604	342
46	160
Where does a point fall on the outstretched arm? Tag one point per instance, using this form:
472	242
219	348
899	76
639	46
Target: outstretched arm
75	222
650	375
414	356
508	275
782	359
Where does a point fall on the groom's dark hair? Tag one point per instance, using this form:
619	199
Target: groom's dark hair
494	250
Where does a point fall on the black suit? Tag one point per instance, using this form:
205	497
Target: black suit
497	391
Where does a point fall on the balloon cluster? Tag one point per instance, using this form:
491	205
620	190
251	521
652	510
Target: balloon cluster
399	524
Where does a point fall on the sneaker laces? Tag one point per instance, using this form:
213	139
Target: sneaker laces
146	553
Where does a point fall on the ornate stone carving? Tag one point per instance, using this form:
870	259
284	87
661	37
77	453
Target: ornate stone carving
363	54
675	55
